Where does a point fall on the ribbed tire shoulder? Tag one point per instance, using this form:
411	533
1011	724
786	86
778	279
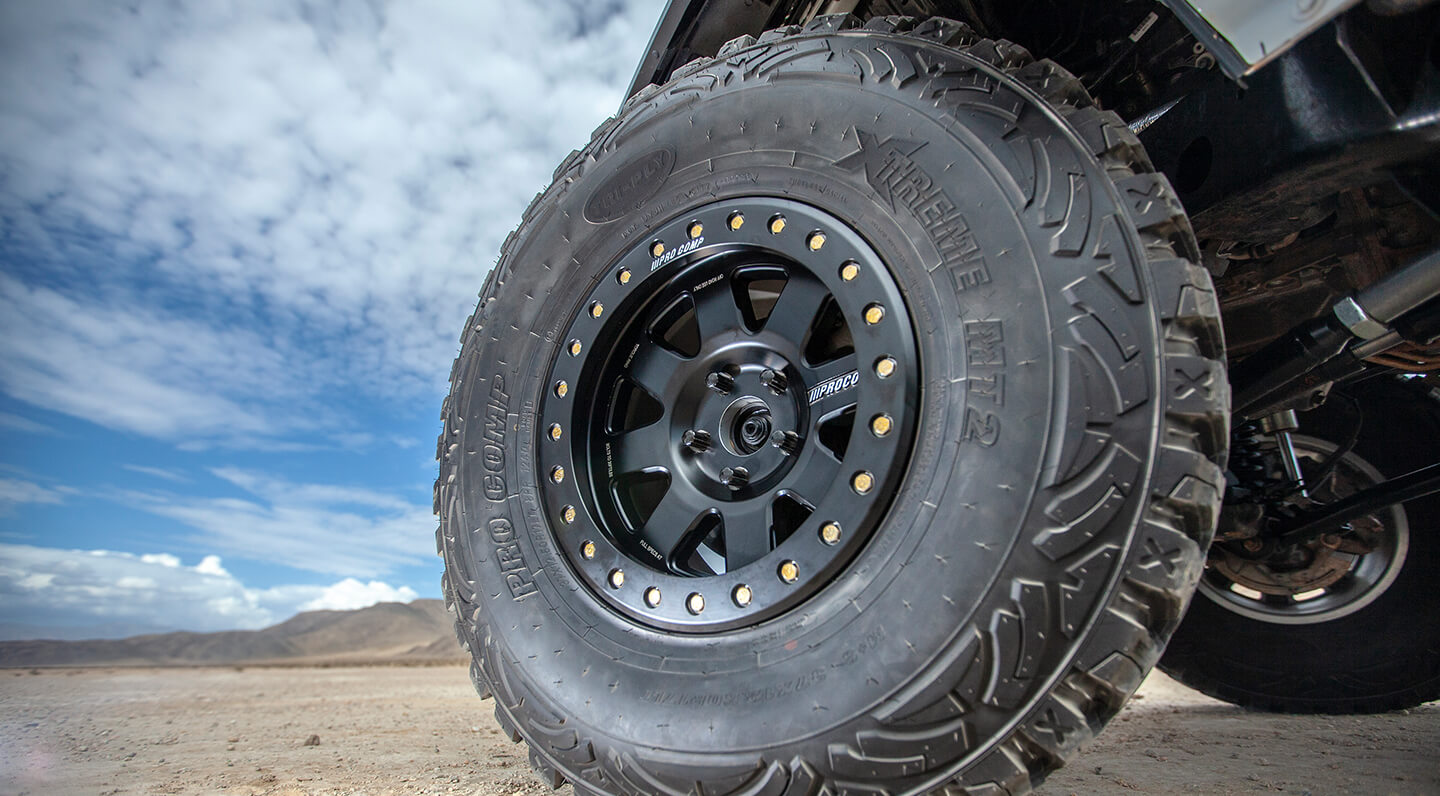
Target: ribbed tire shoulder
1075	609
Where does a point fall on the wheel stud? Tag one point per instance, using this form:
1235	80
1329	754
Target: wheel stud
721	382
774	379
696	440
787	441
734	477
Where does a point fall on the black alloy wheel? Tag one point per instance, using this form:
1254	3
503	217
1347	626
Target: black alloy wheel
753	389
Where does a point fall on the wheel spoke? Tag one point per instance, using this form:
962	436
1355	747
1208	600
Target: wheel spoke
747	535
716	311
641	449
653	367
676	512
820	374
814	474
795	310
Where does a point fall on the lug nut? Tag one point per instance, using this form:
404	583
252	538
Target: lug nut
588	550
777	225
617	578
789	572
774	379
696	440
737	220
880	425
567	514
656	249
815	241
787	441
874	314
696	229
862	482
830	532
652	596
623	276
734	477
849	272
720	382
885	367
742	595
695	603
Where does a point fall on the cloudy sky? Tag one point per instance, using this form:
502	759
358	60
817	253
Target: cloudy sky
237	244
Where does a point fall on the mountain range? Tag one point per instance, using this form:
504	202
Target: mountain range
417	632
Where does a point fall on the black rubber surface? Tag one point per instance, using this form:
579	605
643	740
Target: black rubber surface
1061	488
1385	656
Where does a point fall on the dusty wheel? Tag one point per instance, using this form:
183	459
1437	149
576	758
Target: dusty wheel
1349	627
843	415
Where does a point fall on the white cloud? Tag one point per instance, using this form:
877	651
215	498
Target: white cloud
214	214
13	491
349	594
322	528
9	422
114	594
157	472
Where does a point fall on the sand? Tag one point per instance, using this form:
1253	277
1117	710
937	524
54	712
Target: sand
421	730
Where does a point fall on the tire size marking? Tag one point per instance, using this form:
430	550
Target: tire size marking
492	455
984	381
510	559
897	178
751	697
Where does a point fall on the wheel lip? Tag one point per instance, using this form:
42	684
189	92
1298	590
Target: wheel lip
760	576
1324	608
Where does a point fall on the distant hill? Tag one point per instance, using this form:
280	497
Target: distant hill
416	632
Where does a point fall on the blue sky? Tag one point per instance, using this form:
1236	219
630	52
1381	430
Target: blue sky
237	245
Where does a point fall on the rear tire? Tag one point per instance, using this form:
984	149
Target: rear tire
1034	519
1373	648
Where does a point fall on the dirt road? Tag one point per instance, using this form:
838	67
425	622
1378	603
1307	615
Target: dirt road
393	730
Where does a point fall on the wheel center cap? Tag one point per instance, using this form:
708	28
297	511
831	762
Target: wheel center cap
745	425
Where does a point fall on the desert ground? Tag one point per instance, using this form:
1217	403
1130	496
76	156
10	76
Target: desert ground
421	730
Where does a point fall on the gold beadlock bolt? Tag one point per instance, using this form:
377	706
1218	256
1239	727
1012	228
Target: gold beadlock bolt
695	603
561	389
874	314
656	249
597	309
815	241
557	474
737	220
617	578
588	550
880	425
567	514
623	276
777	225
743	595
696	229
789	571
863	482
555	431
849	271
575	348
885	367
830	533
652	596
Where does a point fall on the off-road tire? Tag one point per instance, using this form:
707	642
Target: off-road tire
1383	656
1063	480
